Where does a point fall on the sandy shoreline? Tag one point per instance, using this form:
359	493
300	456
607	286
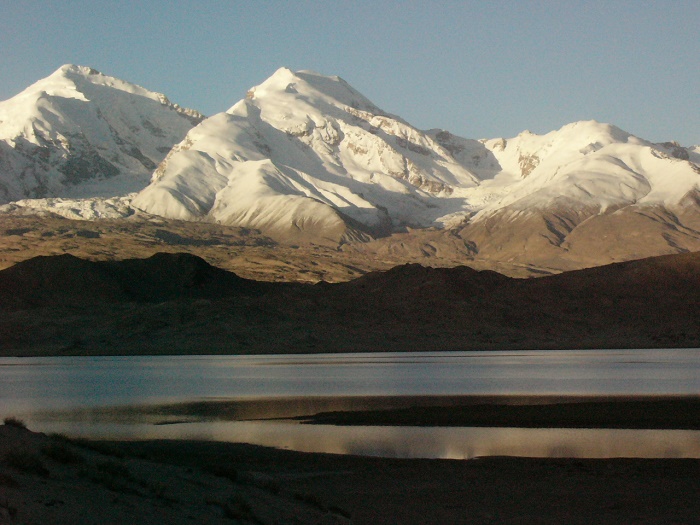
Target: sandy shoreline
631	412
524	411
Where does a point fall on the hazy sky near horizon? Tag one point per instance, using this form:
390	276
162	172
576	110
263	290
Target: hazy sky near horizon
478	69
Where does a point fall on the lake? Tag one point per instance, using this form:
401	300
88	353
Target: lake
87	396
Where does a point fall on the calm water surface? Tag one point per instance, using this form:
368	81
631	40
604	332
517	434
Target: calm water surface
36	388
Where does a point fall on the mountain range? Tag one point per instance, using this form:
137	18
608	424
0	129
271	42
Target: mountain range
306	158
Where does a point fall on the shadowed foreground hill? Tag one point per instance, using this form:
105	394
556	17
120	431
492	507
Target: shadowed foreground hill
65	280
49	479
180	304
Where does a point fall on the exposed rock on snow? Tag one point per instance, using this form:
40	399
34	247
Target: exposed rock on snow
299	156
79	209
306	156
79	133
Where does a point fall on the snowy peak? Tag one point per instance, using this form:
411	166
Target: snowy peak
297	102
306	157
73	81
82	78
521	155
303	150
312	87
305	153
81	133
587	165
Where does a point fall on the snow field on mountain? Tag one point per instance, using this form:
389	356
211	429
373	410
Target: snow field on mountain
80	133
344	154
305	156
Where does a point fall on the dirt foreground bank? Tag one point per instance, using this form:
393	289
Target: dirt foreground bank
53	480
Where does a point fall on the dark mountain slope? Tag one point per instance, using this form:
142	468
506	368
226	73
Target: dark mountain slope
180	304
66	280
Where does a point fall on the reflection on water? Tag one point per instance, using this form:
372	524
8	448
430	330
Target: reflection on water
29	386
64	382
414	442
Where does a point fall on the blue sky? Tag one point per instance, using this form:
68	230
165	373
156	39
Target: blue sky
479	69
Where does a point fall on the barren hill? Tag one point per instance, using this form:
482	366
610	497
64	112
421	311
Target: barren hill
179	304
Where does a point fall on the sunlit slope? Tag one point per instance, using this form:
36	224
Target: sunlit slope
306	159
307	155
79	133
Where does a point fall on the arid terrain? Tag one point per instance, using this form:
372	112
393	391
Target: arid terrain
170	303
140	287
246	252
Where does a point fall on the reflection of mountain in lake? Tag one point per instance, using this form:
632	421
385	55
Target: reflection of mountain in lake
607	403
414	442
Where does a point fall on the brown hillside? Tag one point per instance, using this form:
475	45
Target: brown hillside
180	304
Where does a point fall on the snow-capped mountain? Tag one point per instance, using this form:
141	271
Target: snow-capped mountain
588	192
590	163
307	156
79	133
